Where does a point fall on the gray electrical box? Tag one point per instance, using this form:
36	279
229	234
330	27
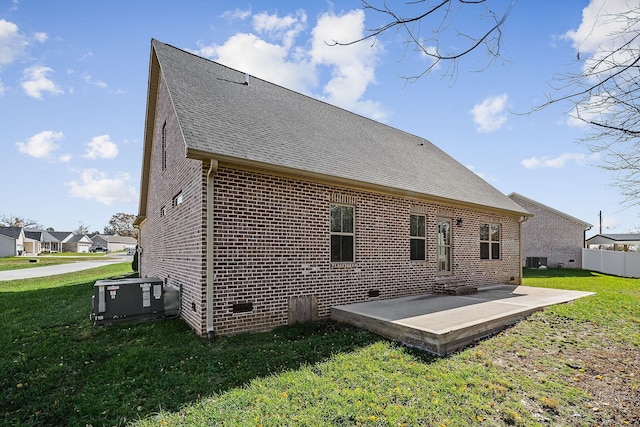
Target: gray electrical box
133	300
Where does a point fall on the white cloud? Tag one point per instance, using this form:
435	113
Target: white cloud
605	27
268	61
41	144
2	88
275	54
353	66
65	158
555	162
41	37
95	185
490	115
88	79
35	82
236	14
601	19
12	42
285	29
101	147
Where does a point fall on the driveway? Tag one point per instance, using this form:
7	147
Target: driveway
51	270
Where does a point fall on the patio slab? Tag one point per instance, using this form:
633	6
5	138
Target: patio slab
442	324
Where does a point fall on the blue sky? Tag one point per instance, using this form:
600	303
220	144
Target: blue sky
73	86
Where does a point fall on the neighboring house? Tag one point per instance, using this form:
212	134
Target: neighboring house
11	241
615	242
113	243
63	237
268	207
37	241
551	238
80	243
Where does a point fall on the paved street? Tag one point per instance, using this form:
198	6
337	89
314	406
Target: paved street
52	270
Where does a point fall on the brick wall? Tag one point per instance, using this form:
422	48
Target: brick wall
272	242
548	234
173	245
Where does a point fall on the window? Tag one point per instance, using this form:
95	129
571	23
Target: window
177	200
444	246
490	241
163	211
164	146
342	233
417	233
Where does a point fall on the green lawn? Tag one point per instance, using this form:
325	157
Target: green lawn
558	367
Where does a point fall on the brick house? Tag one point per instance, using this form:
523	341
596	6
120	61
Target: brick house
267	206
551	237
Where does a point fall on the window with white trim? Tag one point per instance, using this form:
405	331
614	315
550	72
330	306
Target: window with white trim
164	146
178	199
417	237
490	235
343	236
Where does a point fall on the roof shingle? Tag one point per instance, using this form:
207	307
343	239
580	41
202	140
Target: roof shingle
268	125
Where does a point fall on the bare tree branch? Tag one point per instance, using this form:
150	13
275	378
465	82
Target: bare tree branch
438	19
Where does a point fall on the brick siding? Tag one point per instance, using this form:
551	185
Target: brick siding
272	241
552	236
173	245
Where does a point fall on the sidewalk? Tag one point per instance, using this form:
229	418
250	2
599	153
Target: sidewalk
51	270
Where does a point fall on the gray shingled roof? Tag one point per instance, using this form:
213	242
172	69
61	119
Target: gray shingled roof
516	196
40	236
60	235
13	232
610	238
266	124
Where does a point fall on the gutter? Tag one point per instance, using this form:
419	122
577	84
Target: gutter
522	219
213	168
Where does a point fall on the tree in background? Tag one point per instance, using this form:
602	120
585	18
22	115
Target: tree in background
122	225
17	221
439	30
604	94
82	228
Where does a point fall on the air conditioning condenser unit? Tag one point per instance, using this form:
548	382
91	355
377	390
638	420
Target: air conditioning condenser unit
133	300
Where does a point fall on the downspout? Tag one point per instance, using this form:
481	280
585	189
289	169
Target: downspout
213	168
522	219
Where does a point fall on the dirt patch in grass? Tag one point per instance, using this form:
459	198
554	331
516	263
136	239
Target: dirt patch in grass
580	355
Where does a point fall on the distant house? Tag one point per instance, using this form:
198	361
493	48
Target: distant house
80	243
113	242
551	238
268	207
11	241
38	241
63	237
615	242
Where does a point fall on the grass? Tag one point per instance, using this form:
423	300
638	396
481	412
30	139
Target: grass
20	262
57	369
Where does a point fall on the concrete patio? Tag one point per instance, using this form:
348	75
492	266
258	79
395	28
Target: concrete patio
442	324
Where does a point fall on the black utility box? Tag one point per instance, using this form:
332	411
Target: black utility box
133	300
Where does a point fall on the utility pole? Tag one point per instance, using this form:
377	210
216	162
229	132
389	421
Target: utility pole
600	222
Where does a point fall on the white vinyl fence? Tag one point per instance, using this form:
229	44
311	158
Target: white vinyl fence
625	264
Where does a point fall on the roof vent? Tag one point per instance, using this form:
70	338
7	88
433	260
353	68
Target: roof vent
246	79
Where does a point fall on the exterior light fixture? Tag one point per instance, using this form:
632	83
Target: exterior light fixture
459	222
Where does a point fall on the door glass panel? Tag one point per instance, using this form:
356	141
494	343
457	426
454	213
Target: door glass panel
444	246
